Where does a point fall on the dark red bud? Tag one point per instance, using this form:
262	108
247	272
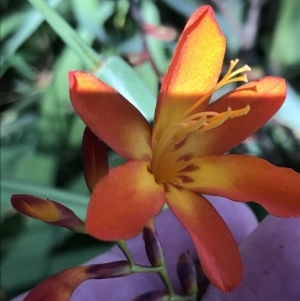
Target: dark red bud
59	286
94	156
153	246
161	32
109	270
47	211
187	274
153	296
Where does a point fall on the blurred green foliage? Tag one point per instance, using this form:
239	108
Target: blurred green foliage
41	135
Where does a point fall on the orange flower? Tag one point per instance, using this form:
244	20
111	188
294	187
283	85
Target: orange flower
182	156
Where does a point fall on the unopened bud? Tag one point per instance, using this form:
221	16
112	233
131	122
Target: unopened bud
161	32
109	270
138	58
47	211
153	296
59	286
202	280
152	245
94	156
187	274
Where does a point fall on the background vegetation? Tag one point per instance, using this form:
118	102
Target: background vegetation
128	44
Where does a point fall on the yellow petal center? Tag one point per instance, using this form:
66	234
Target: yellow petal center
198	122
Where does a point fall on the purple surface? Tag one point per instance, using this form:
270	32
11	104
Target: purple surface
270	256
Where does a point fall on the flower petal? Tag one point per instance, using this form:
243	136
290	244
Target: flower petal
194	69
110	116
216	247
94	156
60	286
247	178
123	201
264	96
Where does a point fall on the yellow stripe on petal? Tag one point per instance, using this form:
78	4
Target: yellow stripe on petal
123	202
110	116
194	69
247	178
215	245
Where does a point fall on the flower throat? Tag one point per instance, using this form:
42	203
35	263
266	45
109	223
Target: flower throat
199	122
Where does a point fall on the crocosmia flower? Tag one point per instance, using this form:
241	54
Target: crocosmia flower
181	159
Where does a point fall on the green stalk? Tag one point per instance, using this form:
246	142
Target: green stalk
161	270
122	245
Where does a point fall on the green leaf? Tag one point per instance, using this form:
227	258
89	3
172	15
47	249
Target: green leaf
55	123
68	34
286	43
74	201
156	47
10	24
147	74
98	11
121	76
32	20
18	62
184	7
290	111
37	167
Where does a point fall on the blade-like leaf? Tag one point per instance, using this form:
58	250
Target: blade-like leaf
67	34
120	75
32	21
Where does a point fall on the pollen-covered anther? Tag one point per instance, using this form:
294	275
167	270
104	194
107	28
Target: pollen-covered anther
228	78
210	120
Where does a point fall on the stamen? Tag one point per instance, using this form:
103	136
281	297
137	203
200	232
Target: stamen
203	121
240	112
228	78
195	125
209	121
245	68
195	116
217	121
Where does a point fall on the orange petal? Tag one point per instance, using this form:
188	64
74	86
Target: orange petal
247	178
123	201
58	287
264	96
194	69
110	116
47	211
94	156
216	247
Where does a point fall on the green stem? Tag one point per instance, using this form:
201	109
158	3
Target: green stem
122	245
161	270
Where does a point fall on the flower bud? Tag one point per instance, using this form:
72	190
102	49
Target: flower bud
161	32
152	245
47	211
187	274
94	157
59	286
202	280
153	296
109	270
